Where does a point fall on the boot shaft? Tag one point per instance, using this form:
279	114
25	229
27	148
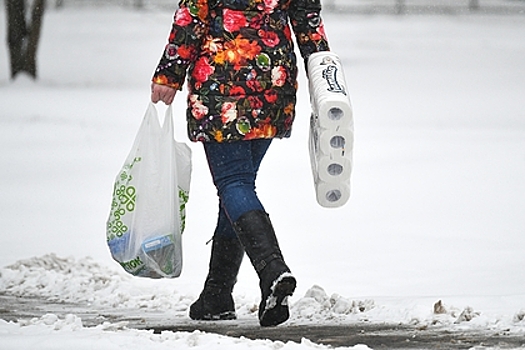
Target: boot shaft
256	233
258	237
225	262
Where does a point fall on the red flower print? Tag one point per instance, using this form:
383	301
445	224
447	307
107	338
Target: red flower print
233	20
287	33
254	85
270	96
257	21
269	38
315	36
252	82
183	17
269	5
255	102
202	70
247	49
321	31
239	60
185	51
237	91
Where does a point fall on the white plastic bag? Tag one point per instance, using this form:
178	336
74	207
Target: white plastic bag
147	215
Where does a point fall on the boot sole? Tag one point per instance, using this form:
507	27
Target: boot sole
228	315
276	306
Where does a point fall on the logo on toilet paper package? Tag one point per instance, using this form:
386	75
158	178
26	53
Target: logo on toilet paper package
330	75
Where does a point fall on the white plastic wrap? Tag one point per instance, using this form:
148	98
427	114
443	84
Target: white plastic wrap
331	130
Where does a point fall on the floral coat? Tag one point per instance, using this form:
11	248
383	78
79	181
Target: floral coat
242	68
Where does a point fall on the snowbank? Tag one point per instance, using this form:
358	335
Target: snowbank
86	283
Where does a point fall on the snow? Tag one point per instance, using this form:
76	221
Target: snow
49	331
437	202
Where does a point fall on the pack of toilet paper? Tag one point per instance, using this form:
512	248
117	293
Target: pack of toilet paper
331	129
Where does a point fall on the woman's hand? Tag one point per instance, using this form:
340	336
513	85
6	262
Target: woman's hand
162	93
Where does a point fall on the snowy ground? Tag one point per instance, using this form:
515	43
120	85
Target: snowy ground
437	190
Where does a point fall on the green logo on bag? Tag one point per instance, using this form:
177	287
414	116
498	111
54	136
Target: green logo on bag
124	199
184	196
119	228
133	266
127	196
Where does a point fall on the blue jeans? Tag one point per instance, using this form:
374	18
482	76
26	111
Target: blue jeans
234	167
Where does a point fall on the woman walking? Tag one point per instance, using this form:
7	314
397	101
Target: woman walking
242	82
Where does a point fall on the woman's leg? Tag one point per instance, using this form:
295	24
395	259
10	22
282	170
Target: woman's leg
234	169
215	301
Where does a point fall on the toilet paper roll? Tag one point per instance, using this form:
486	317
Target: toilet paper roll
325	101
336	143
333	169
332	195
328	92
334	113
332	108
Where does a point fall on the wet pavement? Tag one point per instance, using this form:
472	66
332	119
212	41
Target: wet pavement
376	336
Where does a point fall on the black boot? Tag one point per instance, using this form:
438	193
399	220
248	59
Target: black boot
257	235
216	301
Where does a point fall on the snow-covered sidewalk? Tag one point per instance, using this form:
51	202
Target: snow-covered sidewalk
436	211
115	305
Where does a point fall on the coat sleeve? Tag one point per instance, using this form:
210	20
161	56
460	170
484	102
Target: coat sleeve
305	17
190	25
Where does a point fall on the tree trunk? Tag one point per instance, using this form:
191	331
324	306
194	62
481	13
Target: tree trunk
23	37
